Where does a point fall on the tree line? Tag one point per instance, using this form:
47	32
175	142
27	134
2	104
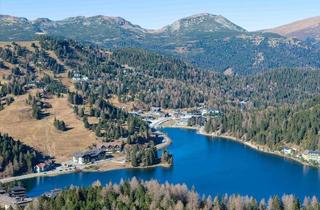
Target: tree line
148	195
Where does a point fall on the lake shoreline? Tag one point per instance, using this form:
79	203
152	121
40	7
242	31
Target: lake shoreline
246	143
256	147
85	170
209	164
102	166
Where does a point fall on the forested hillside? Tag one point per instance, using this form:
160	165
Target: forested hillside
17	158
262	107
156	80
159	80
277	87
275	127
136	194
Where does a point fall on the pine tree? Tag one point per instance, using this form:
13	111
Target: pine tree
85	122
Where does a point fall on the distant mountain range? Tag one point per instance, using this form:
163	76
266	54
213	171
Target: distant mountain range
303	29
204	40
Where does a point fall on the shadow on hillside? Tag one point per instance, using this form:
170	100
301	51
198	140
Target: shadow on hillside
68	128
44	115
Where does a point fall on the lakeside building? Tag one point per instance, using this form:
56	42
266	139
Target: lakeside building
287	150
98	153
18	192
206	112
312	155
112	147
45	166
89	156
16	198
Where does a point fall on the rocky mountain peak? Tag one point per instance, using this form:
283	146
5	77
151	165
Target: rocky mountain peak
8	19
203	22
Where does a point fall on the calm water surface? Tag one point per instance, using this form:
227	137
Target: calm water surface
212	165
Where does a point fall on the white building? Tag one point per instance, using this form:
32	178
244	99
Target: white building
287	150
89	156
311	156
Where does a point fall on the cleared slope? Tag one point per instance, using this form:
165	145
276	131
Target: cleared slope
41	134
302	29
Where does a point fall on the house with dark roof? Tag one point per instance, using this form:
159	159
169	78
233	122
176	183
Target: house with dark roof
89	156
18	192
111	147
15	198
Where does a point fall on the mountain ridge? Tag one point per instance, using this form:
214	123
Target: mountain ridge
204	40
118	19
301	29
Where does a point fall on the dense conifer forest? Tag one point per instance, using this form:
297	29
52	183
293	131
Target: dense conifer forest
170	83
16	158
274	126
134	194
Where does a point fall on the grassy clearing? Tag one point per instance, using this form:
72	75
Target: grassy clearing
41	134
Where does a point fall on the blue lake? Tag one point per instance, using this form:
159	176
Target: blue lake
213	166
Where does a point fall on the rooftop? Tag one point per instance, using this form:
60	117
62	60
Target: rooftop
18	188
316	152
93	152
41	165
112	144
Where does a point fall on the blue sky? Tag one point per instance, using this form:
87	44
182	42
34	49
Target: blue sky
250	14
